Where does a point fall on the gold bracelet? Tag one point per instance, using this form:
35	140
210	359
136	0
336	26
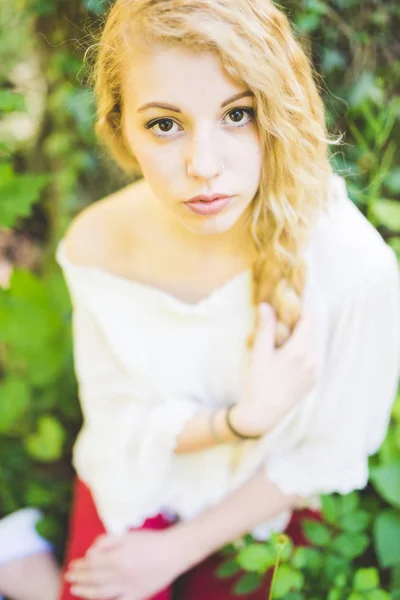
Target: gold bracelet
213	429
234	430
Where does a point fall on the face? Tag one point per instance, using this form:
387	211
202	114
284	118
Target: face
193	131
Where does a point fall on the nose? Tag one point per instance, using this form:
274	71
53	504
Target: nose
204	161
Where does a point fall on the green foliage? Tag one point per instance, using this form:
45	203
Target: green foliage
38	393
387	537
326	568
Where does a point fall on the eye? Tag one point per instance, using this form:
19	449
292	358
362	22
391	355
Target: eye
165	127
237	114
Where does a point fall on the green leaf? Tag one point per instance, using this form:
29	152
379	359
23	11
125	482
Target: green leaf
294	596
335	594
334	565
341	580
287	580
46	443
227	569
332	59
11	102
355	522
386	479
316	532
379	595
248	583
366	579
308	22
387	538
366	88
389	451
15	401
392	180
350	545
38	495
6	172
228	550
387	213
256	558
349	502
18	195
49	528
356	596
309	559
330	508
316	6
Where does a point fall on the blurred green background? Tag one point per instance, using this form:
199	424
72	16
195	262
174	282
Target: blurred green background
51	167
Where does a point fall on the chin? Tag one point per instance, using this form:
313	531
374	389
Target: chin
217	224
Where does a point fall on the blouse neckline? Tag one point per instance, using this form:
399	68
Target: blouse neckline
213	297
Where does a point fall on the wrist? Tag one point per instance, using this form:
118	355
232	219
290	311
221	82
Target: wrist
242	421
188	543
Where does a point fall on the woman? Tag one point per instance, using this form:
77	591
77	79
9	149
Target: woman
238	353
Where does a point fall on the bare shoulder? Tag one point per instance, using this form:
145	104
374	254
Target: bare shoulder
101	229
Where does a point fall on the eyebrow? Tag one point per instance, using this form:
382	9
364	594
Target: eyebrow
167	106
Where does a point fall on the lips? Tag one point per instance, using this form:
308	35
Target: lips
210	206
204	198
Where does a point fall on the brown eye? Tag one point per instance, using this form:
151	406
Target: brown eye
165	125
236	116
161	127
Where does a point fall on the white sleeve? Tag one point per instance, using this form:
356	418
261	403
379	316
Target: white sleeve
18	535
355	395
125	448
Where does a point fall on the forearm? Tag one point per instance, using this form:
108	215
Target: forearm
256	501
197	434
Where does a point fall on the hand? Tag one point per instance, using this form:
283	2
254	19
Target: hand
131	566
278	377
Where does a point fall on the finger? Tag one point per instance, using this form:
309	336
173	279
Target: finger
267	324
92	561
91	576
106	592
104	542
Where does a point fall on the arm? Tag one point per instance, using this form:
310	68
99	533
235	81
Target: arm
197	434
255	502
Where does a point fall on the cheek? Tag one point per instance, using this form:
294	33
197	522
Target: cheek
247	151
160	166
157	161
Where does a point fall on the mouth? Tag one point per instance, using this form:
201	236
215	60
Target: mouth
210	198
208	205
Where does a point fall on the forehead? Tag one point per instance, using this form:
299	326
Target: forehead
177	75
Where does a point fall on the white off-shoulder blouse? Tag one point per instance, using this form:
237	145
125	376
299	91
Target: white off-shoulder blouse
147	361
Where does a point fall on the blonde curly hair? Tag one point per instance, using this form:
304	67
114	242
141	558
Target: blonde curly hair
256	45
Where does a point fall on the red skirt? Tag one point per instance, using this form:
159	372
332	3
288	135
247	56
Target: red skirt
197	584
